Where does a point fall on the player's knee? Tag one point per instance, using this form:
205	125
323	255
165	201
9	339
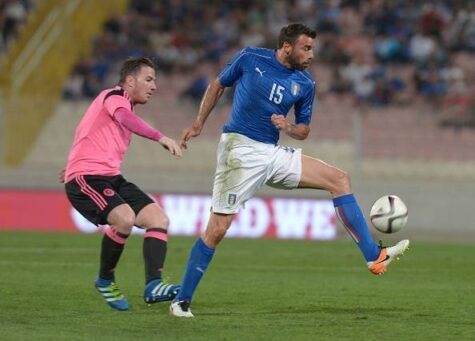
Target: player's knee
157	219
123	218
342	183
126	221
164	222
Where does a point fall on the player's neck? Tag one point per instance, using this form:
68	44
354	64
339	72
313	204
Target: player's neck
282	58
129	94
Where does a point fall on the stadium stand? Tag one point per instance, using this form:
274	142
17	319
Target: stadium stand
395	78
407	65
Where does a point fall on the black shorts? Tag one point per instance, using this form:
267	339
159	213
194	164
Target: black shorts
94	196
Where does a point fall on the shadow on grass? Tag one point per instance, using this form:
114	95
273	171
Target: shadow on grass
360	311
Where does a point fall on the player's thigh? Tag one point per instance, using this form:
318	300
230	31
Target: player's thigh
94	197
240	172
122	217
320	175
152	216
145	208
285	168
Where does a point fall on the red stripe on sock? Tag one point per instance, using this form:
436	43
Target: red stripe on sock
157	235
347	226
112	234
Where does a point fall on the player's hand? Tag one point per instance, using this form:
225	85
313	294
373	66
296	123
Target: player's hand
62	175
188	133
279	121
171	146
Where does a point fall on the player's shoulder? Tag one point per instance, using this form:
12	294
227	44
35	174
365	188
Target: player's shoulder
257	52
116	91
307	77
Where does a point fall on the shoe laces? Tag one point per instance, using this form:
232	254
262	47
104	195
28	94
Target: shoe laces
114	288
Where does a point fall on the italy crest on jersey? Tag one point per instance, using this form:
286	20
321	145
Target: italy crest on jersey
294	88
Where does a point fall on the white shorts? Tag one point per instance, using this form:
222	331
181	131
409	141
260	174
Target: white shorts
245	165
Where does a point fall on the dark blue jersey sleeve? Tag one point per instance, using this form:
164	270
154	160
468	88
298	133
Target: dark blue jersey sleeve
304	107
233	69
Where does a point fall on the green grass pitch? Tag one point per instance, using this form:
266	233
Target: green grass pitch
253	290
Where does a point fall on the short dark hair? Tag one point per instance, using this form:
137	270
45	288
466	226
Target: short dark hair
291	32
132	65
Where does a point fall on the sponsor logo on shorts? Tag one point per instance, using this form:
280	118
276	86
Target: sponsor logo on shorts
108	192
232	197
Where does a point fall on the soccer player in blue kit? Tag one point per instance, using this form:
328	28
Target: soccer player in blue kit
268	83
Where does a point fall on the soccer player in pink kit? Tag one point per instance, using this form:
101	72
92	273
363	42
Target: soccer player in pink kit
96	188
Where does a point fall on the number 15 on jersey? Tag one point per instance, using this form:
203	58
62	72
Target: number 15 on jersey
276	94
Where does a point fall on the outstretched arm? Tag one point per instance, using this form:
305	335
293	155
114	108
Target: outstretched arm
295	131
208	102
138	126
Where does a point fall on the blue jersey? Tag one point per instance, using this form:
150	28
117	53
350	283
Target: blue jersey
265	87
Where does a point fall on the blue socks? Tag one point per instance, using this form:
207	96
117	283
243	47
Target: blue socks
350	215
200	257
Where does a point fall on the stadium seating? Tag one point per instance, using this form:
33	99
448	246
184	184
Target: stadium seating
402	137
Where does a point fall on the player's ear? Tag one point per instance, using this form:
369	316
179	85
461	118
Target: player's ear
129	80
287	48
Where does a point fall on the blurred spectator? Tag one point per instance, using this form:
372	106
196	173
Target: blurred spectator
461	35
340	84
358	75
13	15
431	21
429	82
329	17
389	49
196	89
330	51
73	87
454	77
421	47
381	95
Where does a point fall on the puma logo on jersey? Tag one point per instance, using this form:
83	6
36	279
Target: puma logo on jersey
259	70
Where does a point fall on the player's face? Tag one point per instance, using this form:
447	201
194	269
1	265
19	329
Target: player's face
142	85
300	55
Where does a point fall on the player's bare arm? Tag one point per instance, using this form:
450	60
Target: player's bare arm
295	131
210	98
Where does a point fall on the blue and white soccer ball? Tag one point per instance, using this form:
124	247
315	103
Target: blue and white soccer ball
389	214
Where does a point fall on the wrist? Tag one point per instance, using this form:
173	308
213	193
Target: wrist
158	136
288	127
197	125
